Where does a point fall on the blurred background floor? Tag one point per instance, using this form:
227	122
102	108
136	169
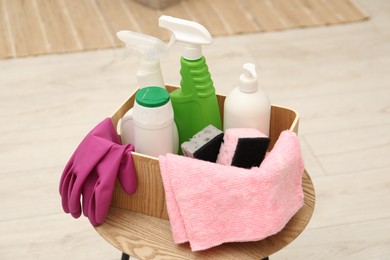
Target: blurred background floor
62	26
337	78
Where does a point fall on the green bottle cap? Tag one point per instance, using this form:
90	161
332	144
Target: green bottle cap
152	97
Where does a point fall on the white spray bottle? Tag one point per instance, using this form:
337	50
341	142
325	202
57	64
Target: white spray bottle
149	125
151	50
247	105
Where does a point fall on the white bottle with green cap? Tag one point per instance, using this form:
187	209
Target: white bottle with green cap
150	126
247	105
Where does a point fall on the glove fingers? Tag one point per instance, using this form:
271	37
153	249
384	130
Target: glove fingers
65	184
68	208
77	170
74	204
76	214
65	172
65	191
107	171
102	174
88	188
91	210
126	174
86	164
102	196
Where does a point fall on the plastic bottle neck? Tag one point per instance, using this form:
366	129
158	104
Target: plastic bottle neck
247	84
196	78
192	52
149	73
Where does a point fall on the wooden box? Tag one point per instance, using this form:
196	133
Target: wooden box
149	199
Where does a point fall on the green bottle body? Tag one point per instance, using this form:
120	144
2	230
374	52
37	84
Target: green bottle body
195	104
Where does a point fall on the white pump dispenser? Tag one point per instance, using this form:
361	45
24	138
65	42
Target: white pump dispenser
151	50
248	79
248	106
194	35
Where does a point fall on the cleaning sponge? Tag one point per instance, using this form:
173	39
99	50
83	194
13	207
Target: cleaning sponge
243	147
204	145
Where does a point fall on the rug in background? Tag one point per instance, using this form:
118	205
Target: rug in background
37	27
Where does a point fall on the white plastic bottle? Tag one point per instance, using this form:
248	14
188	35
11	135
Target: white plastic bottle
150	124
247	105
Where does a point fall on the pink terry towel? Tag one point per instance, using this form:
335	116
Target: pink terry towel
210	204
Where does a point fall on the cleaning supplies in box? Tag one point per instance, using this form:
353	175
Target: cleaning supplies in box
254	201
195	103
247	105
150	123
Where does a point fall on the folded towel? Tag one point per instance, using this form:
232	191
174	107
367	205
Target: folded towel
210	204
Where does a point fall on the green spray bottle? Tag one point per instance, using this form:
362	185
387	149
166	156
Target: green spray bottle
195	103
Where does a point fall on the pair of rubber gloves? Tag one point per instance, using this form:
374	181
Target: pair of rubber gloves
92	171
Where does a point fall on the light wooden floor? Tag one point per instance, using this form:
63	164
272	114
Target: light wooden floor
337	77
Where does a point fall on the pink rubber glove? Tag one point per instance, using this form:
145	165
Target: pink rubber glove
99	186
88	154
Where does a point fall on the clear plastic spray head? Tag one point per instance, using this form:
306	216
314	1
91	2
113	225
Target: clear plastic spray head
150	50
193	34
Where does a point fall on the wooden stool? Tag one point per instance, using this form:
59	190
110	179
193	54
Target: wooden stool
138	225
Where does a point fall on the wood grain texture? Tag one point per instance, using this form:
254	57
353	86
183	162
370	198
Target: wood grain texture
60	37
58	26
201	12
116	18
90	28
229	13
149	198
6	40
146	19
25	23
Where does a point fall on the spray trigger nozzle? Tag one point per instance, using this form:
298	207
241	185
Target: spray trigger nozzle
151	50
193	34
147	46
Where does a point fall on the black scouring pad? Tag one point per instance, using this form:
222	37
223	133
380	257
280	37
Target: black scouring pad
204	145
